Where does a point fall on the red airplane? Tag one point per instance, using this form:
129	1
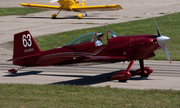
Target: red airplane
83	49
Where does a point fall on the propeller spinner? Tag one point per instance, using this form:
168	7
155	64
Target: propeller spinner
161	41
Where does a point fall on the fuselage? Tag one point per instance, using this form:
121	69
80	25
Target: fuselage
135	47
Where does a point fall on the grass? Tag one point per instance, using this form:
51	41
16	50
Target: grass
66	96
18	11
168	25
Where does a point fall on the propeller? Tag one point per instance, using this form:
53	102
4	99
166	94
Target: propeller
159	34
52	1
161	41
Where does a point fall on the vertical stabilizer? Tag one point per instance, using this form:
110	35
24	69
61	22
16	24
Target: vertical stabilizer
24	47
84	2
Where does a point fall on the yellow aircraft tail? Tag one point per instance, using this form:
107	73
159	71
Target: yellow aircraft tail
84	2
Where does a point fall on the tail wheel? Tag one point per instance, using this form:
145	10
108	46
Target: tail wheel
13	71
54	15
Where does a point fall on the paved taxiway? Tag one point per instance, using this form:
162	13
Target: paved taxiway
165	76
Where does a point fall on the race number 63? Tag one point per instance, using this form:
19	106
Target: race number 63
26	40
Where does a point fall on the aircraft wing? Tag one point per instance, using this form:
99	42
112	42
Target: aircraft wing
107	57
76	8
97	8
40	6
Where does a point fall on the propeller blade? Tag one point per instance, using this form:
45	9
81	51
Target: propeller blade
161	41
52	1
166	52
159	34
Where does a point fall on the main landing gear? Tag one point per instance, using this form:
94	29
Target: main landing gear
123	76
55	15
79	16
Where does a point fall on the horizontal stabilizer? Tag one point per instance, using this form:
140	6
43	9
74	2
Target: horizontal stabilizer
19	58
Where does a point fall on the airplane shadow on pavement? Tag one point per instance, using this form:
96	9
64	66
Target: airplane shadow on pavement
84	80
23	74
88	80
68	17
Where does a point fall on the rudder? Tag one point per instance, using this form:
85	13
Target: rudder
84	2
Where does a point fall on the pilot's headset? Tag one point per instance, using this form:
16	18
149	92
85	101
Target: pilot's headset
99	34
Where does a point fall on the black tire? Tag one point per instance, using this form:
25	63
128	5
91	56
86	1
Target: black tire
145	75
125	80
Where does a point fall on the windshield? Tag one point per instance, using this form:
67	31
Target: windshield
85	38
112	34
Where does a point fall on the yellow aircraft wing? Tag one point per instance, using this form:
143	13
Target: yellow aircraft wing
76	8
97	8
40	6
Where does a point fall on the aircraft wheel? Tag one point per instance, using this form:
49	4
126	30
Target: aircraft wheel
79	16
144	75
148	71
125	80
12	71
54	15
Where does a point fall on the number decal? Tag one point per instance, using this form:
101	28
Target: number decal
26	40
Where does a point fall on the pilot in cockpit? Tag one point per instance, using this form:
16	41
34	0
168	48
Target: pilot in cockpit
99	36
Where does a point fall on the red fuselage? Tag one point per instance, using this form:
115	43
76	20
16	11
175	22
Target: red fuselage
119	48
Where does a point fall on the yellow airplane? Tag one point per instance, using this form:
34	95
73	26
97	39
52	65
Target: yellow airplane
73	5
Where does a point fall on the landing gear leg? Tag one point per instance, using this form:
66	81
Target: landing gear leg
79	15
141	63
130	65
55	15
128	69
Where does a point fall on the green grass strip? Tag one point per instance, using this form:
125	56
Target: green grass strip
66	96
18	11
